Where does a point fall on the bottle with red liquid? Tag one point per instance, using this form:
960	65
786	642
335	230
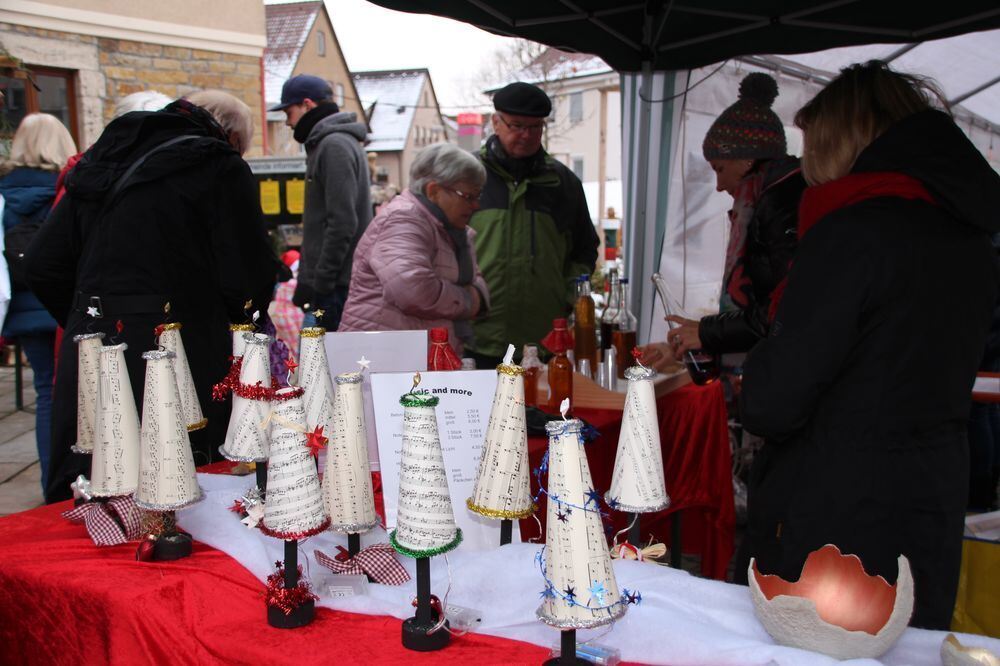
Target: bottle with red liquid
560	367
623	330
532	368
703	367
440	355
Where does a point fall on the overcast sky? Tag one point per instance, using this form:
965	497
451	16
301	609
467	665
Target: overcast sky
376	38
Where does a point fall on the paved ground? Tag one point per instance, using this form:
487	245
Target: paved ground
20	476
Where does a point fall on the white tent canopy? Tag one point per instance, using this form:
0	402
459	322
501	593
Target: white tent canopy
685	234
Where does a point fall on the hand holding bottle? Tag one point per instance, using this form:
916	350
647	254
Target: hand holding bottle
683	336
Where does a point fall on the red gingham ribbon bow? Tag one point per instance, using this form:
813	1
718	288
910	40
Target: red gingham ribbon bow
110	522
378	561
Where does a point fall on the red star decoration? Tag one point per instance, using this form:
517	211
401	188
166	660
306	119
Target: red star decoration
637	354
237	507
291	364
316	441
119	326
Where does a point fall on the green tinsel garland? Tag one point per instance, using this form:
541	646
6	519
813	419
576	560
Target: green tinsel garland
418	400
440	550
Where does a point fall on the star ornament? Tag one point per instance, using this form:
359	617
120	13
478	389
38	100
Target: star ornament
570	593
364	363
92	311
255	514
597	592
237	506
291	364
561	516
316	441
593	496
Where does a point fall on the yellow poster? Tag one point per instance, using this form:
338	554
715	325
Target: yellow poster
270	197
295	190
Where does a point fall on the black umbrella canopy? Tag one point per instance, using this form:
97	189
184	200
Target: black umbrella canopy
684	35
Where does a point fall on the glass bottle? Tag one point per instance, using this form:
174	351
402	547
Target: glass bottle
532	368
608	316
560	368
584	327
624	330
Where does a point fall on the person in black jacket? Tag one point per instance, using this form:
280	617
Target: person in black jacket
746	148
184	228
862	388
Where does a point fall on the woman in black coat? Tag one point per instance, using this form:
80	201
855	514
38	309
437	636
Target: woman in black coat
185	228
863	387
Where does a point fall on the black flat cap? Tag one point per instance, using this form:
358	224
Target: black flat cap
523	99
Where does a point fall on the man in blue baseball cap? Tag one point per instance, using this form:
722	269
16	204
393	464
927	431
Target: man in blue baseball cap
337	198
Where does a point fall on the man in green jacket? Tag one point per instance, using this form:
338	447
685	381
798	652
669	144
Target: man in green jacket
533	230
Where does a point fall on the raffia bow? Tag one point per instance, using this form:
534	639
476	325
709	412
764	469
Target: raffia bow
626	551
109	523
377	561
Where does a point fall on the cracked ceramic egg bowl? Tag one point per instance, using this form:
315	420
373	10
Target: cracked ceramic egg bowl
835	607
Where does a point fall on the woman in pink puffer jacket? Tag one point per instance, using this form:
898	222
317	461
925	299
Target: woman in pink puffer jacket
415	266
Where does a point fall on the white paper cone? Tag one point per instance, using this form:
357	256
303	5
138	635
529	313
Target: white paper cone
347	479
425	522
246	439
637	484
88	346
314	377
114	468
167	479
293	505
171	340
502	489
577	563
239	342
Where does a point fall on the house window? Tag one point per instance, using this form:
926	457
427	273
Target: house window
56	95
577	167
338	92
320	43
576	107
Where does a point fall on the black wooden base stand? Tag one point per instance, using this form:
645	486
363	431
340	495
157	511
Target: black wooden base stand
415	636
506	531
567	651
302	615
634	531
260	468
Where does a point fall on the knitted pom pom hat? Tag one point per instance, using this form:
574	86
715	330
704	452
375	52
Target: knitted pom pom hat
748	129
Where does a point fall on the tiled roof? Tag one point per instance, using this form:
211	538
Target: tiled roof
288	26
395	94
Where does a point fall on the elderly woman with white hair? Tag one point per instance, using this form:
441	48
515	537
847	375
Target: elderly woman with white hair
415	266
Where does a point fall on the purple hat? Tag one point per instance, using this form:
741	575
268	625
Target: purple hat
302	87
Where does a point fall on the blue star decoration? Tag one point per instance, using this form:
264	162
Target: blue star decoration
570	593
561	516
569	511
548	592
597	592
631	597
613	503
593	496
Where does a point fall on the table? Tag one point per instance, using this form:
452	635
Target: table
65	601
697	464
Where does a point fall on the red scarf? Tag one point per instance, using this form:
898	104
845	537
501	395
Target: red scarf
819	201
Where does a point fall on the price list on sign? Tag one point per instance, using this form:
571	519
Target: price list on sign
462	414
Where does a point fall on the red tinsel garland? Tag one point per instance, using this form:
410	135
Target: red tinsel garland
287	600
256	391
222	390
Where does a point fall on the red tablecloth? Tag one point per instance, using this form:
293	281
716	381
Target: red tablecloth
63	600
697	465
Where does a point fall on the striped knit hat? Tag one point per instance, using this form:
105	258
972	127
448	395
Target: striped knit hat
748	129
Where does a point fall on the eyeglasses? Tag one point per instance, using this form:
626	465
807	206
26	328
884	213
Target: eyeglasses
518	127
471	199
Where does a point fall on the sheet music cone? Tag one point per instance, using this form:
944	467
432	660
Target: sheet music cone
246	438
347	479
580	587
314	374
425	522
637	485
167	479
114	468
170	339
88	346
239	343
294	506
502	488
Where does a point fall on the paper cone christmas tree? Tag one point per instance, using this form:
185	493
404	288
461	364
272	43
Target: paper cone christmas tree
170	339
580	587
294	506
246	438
425	522
167	479
88	346
347	479
502	485
114	468
637	485
239	341
314	377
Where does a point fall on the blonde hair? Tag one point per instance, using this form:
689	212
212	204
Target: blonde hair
231	113
41	142
852	111
144	100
